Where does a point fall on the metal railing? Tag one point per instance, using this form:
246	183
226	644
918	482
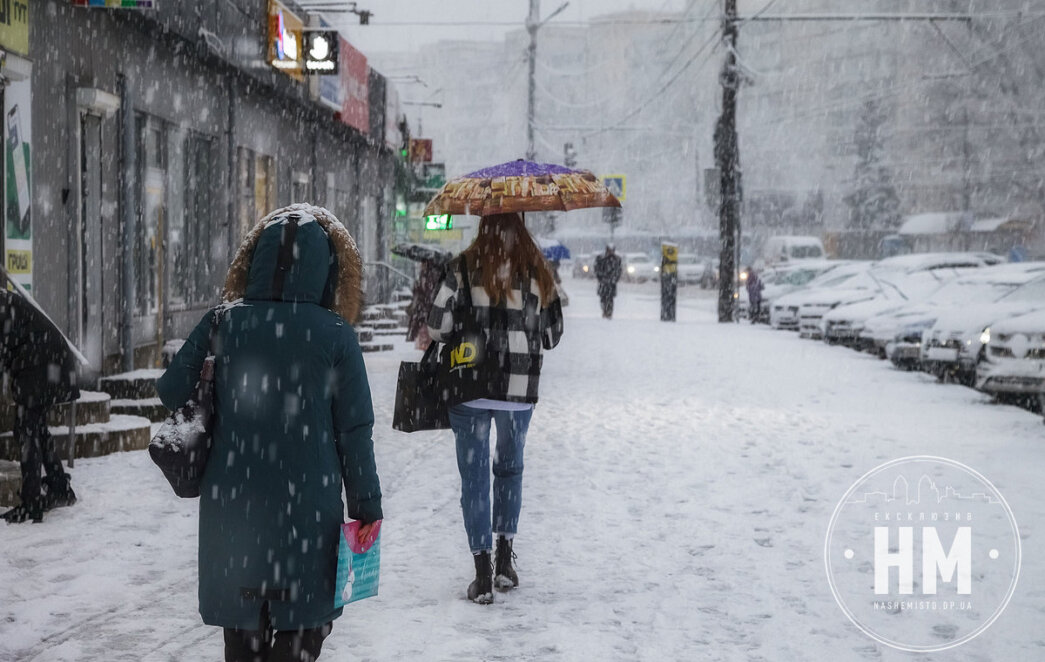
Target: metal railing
381	279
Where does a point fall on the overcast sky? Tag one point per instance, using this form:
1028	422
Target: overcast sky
399	25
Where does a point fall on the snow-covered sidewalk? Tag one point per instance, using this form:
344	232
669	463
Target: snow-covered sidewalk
679	482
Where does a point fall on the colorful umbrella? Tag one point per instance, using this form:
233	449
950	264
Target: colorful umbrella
521	186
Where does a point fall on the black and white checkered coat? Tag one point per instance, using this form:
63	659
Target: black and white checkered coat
516	329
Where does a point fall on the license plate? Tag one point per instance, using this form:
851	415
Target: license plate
942	354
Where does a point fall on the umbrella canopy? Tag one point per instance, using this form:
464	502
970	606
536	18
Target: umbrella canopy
553	250
422	253
521	186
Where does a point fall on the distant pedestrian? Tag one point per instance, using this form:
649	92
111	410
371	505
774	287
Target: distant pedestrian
608	271
293	426
41	369
754	295
510	302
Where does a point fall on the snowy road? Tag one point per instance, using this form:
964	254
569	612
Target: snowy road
679	482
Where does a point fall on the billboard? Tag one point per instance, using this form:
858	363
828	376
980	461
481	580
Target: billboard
18	212
355	94
285	40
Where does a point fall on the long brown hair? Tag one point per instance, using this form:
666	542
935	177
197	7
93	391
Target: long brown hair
504	254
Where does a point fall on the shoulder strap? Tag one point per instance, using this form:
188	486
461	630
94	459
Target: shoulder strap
465	281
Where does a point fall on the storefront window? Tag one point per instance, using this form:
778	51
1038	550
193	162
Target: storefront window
256	185
153	196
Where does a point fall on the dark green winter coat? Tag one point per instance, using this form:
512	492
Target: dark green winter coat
293	424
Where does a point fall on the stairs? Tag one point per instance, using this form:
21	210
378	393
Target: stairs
99	431
382	323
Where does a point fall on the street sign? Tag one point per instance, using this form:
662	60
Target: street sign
615	184
321	51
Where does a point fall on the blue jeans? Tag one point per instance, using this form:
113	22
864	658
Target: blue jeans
472	428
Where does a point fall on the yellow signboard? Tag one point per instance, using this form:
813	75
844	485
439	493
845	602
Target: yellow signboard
14	26
19	262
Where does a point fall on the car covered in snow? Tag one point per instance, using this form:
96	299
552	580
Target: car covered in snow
1014	359
639	267
784	279
953	345
783	310
897	335
896	290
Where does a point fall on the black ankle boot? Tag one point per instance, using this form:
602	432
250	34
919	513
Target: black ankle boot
59	492
481	589
505	577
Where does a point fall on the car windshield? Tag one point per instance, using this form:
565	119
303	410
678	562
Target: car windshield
1032	292
638	258
970	292
806	251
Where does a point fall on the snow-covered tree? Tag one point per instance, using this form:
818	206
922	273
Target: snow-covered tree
873	202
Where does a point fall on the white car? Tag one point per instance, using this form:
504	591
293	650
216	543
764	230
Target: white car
783	311
897	289
695	270
897	335
1014	360
953	345
639	267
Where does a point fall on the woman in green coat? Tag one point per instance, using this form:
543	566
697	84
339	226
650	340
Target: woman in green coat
293	424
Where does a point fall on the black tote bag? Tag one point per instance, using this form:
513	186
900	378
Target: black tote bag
182	445
419	403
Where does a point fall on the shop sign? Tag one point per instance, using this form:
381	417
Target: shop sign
321	51
285	40
14	26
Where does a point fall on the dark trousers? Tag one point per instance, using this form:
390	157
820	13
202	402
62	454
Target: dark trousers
268	645
607	306
37	448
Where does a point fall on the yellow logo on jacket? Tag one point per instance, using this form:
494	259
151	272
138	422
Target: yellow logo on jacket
463	356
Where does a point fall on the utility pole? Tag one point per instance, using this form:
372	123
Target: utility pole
727	159
533	22
727	153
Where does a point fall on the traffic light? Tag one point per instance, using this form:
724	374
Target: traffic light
569	155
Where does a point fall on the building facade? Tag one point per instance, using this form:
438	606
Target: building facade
158	138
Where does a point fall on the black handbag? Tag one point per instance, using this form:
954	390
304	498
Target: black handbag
419	403
183	443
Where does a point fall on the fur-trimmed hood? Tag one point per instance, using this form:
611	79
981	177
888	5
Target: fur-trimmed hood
347	292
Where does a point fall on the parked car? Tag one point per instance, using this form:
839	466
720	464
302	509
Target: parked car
897	289
783	313
897	335
953	345
785	279
639	267
1014	360
584	265
785	249
881	281
696	270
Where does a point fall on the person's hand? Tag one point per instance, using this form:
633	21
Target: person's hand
367	532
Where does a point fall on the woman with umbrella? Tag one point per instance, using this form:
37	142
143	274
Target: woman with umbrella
501	290
497	309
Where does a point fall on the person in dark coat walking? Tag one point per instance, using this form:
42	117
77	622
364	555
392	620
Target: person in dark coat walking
293	424
41	369
754	295
608	271
511	302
